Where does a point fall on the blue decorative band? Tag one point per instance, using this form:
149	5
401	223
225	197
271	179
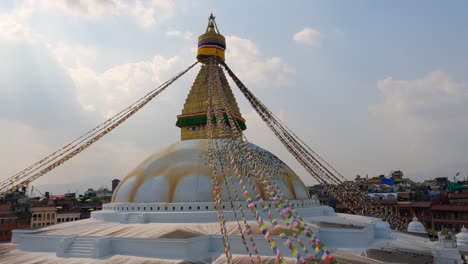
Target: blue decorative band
212	45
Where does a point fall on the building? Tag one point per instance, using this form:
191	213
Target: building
435	210
43	216
9	222
115	183
163	210
451	212
103	193
63	217
90	193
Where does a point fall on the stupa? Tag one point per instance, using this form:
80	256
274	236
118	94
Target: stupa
163	210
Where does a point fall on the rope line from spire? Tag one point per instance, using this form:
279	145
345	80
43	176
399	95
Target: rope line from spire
57	158
355	200
248	168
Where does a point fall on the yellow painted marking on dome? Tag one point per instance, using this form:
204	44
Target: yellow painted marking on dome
261	189
138	170
172	174
145	176
176	177
289	183
180	160
203	145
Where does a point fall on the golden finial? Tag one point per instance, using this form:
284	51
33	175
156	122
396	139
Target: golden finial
212	43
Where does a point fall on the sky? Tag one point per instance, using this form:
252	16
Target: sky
372	86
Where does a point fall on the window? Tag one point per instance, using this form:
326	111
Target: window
144	208
198	207
206	207
181	208
190	207
173	208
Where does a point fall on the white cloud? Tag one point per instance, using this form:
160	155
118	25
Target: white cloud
245	59
108	92
48	92
13	28
23	144
74	55
83	8
308	36
432	100
425	122
185	35
147	13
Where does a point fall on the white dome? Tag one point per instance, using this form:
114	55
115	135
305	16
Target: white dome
179	173
416	227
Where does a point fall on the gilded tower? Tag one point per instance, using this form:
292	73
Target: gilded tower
193	119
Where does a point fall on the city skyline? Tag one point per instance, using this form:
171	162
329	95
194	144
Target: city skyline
372	87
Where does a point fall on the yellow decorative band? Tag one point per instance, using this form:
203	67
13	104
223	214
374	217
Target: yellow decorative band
211	51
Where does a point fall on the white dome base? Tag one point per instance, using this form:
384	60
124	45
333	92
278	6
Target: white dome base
192	212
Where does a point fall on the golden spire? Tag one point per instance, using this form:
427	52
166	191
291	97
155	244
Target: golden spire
193	119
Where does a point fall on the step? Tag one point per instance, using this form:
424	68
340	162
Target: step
83	239
82	244
73	251
78	250
82	247
75	255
